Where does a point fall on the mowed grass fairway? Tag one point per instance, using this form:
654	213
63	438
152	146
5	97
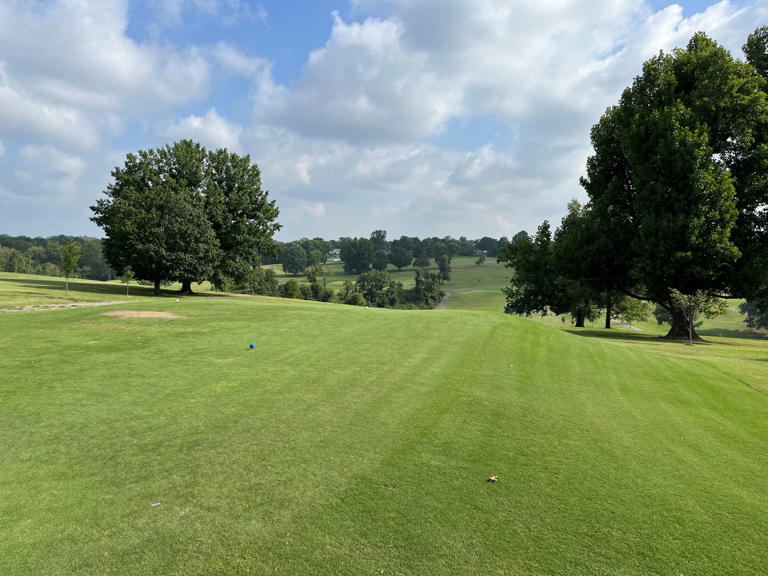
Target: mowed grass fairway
356	441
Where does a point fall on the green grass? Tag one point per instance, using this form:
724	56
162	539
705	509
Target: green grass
19	290
471	287
354	440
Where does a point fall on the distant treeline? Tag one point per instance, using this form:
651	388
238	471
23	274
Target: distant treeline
360	254
371	288
27	255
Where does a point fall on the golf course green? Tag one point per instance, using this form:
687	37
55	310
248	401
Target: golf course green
146	437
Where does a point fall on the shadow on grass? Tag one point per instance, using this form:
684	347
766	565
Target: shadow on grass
746	333
74	286
104	288
626	336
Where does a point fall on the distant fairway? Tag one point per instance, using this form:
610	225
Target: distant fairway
355	441
471	287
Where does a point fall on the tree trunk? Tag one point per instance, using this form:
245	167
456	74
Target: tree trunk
682	327
608	312
186	287
580	317
157	286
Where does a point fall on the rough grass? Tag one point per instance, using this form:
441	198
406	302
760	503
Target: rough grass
351	441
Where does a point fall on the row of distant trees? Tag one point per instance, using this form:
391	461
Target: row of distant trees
185	214
362	254
26	255
372	288
678	198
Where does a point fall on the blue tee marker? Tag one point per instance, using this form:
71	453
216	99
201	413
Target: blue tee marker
253	345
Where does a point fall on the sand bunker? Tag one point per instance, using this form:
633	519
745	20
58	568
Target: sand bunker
141	314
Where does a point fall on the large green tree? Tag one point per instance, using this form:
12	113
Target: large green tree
756	50
181	213
379	240
541	283
400	257
357	254
241	214
154	217
380	260
678	184
293	258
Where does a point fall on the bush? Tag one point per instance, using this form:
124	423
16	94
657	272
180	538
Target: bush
290	289
263	281
355	299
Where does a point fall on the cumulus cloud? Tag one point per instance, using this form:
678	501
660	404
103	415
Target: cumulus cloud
363	85
365	137
24	115
315	210
404	188
232	60
210	130
357	122
52	170
69	72
47	190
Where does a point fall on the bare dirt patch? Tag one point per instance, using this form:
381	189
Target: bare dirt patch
141	314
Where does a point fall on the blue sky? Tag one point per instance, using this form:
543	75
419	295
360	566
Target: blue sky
429	117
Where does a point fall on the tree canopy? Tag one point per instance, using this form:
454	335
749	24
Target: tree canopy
181	213
293	258
678	189
357	254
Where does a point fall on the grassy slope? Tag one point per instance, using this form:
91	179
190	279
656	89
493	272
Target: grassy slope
353	441
465	276
18	290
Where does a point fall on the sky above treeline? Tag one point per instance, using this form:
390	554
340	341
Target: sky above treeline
420	117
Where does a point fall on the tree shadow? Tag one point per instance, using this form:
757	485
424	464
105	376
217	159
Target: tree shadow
629	336
75	286
614	335
746	333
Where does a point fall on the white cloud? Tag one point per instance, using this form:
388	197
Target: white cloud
48	190
363	85
24	115
170	13
232	60
50	170
69	72
406	189
315	210
211	130
353	128
2	150
365	137
401	78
